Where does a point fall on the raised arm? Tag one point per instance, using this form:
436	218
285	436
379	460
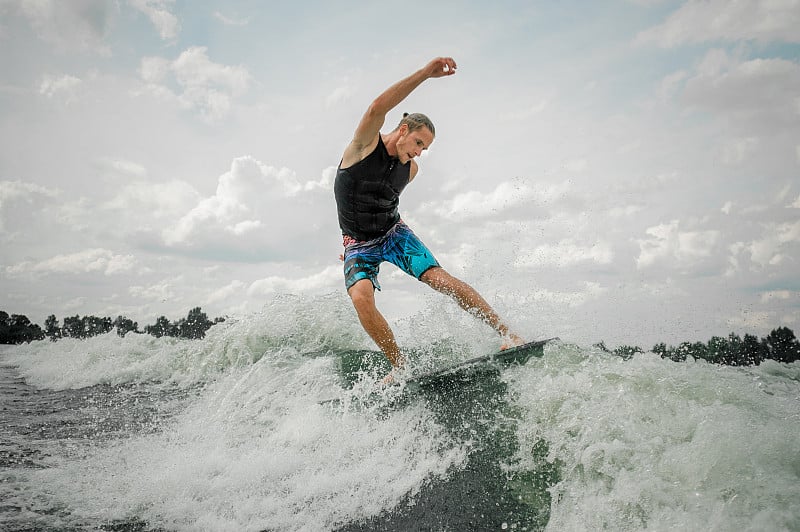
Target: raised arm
366	135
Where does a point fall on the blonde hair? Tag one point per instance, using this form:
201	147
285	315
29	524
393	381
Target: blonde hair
417	121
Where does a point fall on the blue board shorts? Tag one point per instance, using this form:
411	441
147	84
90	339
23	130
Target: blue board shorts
400	246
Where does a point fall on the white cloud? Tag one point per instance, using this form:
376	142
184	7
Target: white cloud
123	167
231	21
796	204
566	253
163	291
144	205
474	204
590	291
783	193
256	209
204	85
759	94
625	212
154	69
274	284
671	84
726	209
339	95
158	11
86	261
784	295
752	320
736	151
63	85
702	21
193	68
576	166
667	243
733	259
75	25
14	191
225	292
770	250
526	111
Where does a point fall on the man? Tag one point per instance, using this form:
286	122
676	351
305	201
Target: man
374	170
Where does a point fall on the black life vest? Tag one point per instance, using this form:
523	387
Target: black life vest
368	194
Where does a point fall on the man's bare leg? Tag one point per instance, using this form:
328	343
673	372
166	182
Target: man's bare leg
470	300
362	293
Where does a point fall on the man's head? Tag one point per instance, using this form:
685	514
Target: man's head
415	121
415	133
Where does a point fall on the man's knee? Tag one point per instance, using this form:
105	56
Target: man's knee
437	278
362	294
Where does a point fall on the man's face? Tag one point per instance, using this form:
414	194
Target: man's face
412	143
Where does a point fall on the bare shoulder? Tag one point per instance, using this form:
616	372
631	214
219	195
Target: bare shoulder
413	172
357	151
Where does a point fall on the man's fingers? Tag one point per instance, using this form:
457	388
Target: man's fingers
443	66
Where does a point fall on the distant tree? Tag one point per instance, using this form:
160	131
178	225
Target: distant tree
601	345
193	326
697	350
754	351
196	324
51	328
73	327
5	330
782	345
17	328
661	350
125	325
627	351
678	354
95	326
162	327
716	350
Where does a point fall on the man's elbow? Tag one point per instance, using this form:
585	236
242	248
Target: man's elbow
378	109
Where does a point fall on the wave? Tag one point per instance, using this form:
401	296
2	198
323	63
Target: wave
579	439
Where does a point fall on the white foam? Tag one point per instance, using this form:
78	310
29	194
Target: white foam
649	443
256	452
287	326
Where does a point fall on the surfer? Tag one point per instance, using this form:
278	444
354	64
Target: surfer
374	170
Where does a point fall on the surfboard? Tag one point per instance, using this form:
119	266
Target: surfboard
447	377
518	355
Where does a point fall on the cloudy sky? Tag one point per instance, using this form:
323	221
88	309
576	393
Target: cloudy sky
622	170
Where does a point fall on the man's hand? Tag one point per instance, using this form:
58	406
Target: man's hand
366	136
439	67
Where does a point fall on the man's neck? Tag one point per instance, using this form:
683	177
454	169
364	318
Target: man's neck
390	141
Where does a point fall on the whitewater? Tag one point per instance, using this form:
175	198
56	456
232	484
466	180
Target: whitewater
227	433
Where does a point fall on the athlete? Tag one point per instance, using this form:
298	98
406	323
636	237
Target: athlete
374	170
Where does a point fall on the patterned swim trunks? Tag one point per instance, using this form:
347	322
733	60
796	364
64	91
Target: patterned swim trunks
400	246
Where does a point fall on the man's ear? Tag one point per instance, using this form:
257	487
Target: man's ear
403	130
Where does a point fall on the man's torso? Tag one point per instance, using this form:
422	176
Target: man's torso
368	194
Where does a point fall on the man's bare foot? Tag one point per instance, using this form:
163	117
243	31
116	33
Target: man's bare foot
388	379
511	340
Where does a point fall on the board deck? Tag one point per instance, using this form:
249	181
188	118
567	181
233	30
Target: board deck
450	376
514	355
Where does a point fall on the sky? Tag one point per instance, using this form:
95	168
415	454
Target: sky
625	171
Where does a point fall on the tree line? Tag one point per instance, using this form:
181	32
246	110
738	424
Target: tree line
780	345
17	328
